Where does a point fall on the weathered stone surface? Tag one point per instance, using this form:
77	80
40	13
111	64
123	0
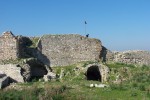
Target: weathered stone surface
13	72
2	74
62	50
133	57
32	68
49	76
98	72
101	85
8	46
106	55
4	81
26	72
138	57
98	85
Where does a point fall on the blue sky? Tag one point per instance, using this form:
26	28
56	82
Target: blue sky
119	24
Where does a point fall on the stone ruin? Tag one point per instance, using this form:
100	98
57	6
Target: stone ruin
137	57
63	50
9	47
51	50
59	50
97	72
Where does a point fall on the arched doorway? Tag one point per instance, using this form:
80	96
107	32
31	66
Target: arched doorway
93	73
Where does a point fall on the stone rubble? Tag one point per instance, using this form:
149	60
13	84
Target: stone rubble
49	76
133	57
98	85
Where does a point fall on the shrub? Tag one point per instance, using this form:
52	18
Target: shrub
142	87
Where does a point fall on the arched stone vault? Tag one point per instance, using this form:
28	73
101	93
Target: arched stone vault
97	72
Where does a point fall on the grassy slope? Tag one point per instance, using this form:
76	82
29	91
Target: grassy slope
135	86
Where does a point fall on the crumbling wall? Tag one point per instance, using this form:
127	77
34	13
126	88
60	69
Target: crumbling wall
8	46
62	50
133	57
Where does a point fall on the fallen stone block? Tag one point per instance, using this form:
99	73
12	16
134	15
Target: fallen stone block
49	76
13	72
101	85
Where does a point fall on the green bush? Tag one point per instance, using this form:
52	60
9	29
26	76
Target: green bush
142	87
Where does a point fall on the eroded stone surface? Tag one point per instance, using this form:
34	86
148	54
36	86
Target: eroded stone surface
32	68
133	57
13	72
62	50
8	46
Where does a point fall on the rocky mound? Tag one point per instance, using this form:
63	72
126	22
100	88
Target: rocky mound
130	57
133	57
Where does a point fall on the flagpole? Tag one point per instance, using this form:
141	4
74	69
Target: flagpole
85	27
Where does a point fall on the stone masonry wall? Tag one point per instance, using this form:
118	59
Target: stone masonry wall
62	50
133	57
8	46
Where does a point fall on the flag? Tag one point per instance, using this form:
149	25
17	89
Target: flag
85	22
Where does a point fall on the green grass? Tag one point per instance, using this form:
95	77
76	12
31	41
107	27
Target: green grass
119	65
78	90
12	61
74	86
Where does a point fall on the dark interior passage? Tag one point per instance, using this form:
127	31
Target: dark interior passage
93	73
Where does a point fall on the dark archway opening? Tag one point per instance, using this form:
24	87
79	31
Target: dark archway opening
38	72
93	73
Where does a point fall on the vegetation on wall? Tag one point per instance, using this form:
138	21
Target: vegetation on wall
34	42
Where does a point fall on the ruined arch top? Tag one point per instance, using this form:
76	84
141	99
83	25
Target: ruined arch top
97	72
93	73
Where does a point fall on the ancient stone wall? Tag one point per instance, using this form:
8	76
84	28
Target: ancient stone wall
8	46
137	57
62	50
133	57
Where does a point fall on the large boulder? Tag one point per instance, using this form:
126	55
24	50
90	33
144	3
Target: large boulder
13	72
62	50
24	71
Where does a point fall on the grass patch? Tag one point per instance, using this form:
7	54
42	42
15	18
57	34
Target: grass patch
119	65
135	85
11	61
